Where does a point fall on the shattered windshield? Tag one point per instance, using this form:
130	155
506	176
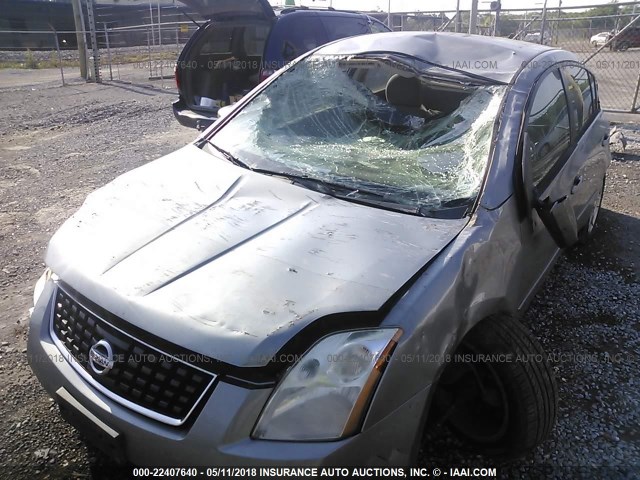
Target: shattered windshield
376	126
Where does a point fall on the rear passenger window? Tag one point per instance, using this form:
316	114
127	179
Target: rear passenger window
255	38
305	34
377	27
341	27
218	40
580	94
240	40
548	126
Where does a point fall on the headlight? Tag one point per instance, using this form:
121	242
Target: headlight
325	394
40	284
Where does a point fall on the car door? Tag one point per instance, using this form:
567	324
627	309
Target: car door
550	170
543	178
589	138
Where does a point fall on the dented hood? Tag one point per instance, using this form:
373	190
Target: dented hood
230	263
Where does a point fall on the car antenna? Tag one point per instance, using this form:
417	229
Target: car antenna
189	17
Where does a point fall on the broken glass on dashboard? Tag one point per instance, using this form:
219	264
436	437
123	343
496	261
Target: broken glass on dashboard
376	125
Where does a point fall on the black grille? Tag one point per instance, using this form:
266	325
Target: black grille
141	374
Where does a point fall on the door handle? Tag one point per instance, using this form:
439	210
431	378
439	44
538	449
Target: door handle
576	183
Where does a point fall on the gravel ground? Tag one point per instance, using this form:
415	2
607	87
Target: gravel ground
58	144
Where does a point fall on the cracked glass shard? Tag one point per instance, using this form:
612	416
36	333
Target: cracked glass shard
413	136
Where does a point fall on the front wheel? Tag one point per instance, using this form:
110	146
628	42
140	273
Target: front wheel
499	393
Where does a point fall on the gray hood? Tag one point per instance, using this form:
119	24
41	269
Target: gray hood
232	264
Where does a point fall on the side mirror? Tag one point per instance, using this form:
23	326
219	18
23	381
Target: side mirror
556	214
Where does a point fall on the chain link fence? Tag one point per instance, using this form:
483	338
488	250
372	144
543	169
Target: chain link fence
37	57
139	44
138	54
147	50
606	38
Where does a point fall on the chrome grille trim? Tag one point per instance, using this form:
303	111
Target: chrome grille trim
105	391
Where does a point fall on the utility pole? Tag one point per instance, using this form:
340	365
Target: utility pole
159	35
473	17
544	22
495	6
458	23
80	37
557	29
153	35
389	21
94	42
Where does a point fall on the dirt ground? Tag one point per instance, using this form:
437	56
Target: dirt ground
57	144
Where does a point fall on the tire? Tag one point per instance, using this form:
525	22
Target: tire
500	407
586	233
594	44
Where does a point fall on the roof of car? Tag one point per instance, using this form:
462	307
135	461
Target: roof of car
329	10
494	58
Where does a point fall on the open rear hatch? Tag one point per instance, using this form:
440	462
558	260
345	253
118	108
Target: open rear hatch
215	9
225	61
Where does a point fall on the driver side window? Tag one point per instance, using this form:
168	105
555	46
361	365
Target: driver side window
548	127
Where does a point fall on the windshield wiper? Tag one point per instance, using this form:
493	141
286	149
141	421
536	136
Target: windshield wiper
456	208
225	154
458	202
317	184
301	178
344	192
337	190
386	205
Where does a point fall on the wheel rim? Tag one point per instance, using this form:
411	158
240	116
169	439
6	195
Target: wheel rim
593	218
480	411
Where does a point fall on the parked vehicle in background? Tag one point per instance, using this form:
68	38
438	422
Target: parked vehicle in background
341	257
534	37
625	39
243	43
600	39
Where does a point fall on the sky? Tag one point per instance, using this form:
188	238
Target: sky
436	5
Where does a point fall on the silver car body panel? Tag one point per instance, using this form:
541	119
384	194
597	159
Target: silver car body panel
232	264
487	263
221	433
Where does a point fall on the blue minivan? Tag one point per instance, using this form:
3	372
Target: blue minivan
245	41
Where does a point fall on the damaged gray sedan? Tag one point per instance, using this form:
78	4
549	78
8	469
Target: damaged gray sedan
341	257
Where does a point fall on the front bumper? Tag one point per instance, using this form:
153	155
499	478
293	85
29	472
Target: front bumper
219	434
